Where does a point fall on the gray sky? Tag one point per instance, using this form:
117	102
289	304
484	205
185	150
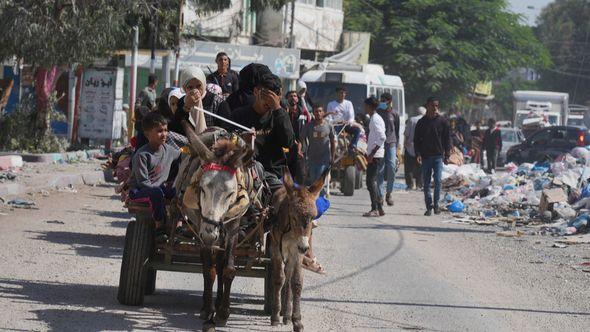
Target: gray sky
520	7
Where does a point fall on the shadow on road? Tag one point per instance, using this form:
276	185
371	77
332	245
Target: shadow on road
110	214
95	308
383	259
449	306
86	244
412	228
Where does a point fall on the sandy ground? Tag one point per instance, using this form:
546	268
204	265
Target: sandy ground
59	271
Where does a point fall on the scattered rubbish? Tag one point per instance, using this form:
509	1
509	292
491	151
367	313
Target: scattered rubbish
45	193
399	186
21	203
559	245
510	233
580	224
68	189
7	176
2	200
55	222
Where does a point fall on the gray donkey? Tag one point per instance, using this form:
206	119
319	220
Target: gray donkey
218	199
295	208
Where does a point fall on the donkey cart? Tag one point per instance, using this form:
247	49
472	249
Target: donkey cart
143	257
349	166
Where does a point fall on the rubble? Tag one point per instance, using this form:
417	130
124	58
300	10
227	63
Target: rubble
552	195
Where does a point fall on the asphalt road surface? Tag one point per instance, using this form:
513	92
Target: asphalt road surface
59	270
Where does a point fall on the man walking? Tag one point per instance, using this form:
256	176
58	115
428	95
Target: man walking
391	119
433	147
412	171
147	96
376	152
492	143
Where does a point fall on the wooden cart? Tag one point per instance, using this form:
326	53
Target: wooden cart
142	257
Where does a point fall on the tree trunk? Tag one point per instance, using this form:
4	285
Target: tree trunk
45	80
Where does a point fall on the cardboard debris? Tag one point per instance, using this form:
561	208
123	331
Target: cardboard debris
550	197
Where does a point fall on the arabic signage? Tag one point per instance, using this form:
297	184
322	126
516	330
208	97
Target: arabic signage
101	96
283	62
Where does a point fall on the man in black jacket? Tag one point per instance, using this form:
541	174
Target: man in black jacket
492	143
433	147
274	131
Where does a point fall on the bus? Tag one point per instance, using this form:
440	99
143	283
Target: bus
360	81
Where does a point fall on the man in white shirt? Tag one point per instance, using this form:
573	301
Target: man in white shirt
340	113
376	152
411	166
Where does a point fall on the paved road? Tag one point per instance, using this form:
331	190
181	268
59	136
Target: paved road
59	268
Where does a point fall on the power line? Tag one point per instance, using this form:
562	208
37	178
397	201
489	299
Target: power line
568	74
581	65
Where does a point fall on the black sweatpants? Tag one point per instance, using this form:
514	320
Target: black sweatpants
372	185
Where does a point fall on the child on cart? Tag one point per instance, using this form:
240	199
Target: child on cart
151	169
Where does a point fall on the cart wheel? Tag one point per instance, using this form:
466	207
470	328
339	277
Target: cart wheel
348	181
150	281
358	180
138	246
268	281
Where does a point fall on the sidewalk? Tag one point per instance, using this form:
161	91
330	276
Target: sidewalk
41	176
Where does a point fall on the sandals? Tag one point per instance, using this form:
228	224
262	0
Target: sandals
372	213
312	265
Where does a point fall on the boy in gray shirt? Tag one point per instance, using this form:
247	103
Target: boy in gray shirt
151	168
319	143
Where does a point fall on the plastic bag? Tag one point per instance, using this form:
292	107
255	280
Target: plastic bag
322	204
456	207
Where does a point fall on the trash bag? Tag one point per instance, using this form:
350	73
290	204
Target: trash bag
586	191
322	205
456	207
580	223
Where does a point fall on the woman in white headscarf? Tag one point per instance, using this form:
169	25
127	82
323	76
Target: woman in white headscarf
194	86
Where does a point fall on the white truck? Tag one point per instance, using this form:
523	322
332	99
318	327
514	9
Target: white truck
551	107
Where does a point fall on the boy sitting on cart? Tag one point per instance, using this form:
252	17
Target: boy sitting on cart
151	169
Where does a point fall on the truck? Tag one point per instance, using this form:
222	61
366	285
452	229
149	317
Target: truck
536	109
576	115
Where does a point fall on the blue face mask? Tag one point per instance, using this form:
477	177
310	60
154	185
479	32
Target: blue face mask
382	106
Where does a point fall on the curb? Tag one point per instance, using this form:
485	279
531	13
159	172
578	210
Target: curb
81	155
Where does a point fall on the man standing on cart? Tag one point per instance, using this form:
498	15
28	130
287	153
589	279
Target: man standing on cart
341	114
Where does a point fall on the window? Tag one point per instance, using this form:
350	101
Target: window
379	92
335	4
542	137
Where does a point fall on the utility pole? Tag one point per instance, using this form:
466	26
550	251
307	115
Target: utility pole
72	80
133	80
291	36
177	46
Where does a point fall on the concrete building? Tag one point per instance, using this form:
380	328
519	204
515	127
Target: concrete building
313	26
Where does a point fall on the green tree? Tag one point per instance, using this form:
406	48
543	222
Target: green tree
52	34
444	47
564	28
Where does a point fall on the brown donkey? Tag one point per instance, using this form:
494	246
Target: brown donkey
295	208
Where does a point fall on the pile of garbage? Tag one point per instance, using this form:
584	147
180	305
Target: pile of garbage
555	194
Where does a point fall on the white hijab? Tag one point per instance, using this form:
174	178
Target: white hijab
197	118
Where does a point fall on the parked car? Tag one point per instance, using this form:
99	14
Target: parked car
548	143
510	138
